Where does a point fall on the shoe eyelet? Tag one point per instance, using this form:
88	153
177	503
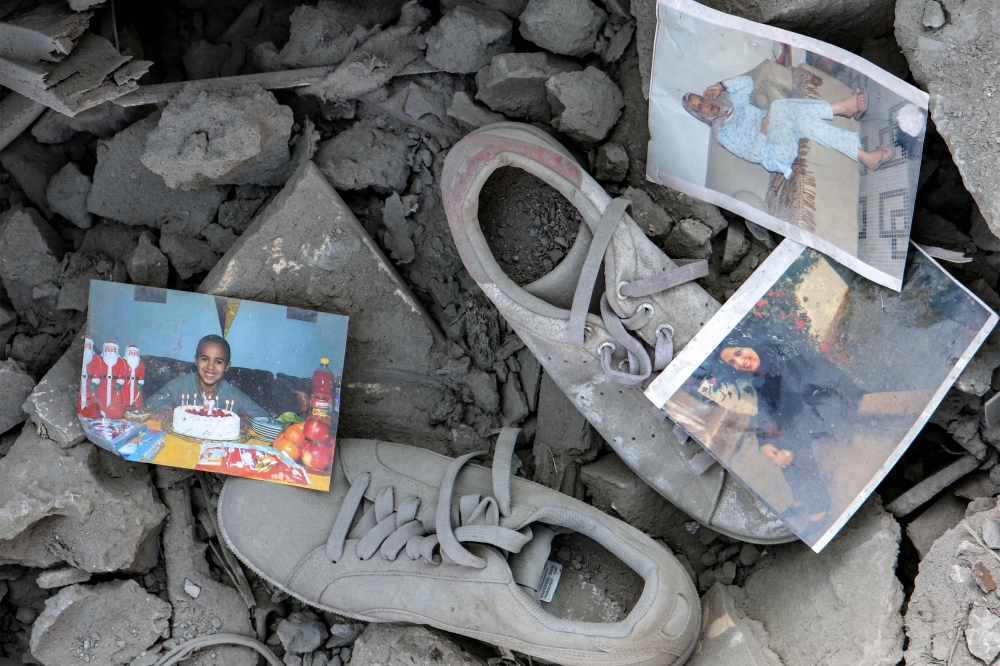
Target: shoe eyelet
588	330
646	306
604	345
619	290
624	366
665	327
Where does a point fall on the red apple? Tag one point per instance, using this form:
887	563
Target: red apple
316	430
317	456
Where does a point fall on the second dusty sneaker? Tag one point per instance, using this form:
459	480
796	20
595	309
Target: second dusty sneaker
597	360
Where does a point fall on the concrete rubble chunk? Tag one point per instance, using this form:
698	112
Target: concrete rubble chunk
213	607
728	636
946	602
83	506
52	404
409	645
147	265
510	8
302	632
921	493
204	60
321	35
364	156
513	403
611	162
126	191
126	618
514	83
839	607
566	27
42	30
189	256
67	195
564	440
342	635
30	256
649	215
937	519
17	112
467	37
689	239
102	121
92	74
32	165
55	578
220	137
306	249
953	59
585	105
470	114
15	386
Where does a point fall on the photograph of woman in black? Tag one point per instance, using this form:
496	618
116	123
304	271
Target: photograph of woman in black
802	400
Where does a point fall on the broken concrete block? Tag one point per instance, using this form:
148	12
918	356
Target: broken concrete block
204	60
611	162
944	592
649	215
102	121
147	265
126	191
470	114
982	634
839	607
188	256
585	105
34	352
567	27
202	606
921	493
728	636
977	376
110	623
991	534
514	83
302	632
111	239
17	112
510	8
513	404
15	386
82	505
30	256
44	30
32	165
564	439
219	239
55	578
689	239
953	63
220	137
320	36
939	517
53	403
306	249
409	645
92	74
467	37
237	213
67	193
364	156
530	375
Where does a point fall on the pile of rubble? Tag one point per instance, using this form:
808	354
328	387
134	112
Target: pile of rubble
291	153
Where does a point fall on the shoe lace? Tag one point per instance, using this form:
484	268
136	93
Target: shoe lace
637	364
437	536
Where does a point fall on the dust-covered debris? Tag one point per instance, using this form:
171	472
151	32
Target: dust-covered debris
585	105
110	623
467	37
514	83
567	27
409	645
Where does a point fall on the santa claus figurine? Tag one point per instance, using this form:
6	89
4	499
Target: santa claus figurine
111	381
135	377
89	373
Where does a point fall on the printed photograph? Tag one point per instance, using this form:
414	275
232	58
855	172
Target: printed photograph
795	135
212	383
811	381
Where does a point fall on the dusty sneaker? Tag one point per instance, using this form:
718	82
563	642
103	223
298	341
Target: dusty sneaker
595	359
408	535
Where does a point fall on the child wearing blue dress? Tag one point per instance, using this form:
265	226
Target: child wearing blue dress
771	138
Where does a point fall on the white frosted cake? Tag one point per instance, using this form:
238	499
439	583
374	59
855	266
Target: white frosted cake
201	423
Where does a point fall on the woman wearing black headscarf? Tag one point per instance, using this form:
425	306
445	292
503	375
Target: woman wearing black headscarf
801	397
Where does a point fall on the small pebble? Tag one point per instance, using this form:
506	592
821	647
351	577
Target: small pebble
991	534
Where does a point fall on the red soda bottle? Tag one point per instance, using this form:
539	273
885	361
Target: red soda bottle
321	401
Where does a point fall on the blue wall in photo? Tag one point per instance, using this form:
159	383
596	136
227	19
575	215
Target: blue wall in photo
261	335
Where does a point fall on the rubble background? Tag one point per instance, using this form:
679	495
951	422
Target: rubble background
297	184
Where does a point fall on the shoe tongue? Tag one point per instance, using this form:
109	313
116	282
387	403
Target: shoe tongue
527	565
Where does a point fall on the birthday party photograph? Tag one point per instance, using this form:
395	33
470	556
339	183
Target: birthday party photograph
212	383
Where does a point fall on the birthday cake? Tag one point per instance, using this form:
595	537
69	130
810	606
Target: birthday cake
203	422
